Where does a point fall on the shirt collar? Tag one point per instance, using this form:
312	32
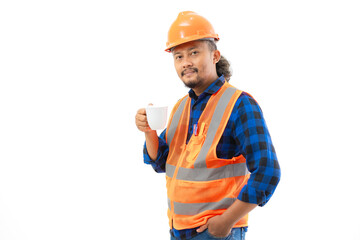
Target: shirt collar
213	88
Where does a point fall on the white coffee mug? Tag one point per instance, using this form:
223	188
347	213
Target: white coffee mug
156	117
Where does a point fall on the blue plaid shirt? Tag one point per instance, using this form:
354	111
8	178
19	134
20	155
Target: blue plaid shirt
246	134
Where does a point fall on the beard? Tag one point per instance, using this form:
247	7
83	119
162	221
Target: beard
194	82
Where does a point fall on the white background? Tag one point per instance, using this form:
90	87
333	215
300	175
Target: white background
73	74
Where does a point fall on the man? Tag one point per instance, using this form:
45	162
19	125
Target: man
216	150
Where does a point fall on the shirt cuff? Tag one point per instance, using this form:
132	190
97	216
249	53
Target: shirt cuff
159	163
147	158
252	195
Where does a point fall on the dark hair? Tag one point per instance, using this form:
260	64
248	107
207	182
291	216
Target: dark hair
223	66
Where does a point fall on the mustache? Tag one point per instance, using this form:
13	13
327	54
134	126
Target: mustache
191	69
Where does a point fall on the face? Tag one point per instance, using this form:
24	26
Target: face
195	64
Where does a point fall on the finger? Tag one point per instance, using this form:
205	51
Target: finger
141	111
202	228
141	123
142	126
144	129
141	117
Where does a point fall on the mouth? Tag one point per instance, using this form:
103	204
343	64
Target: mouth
189	71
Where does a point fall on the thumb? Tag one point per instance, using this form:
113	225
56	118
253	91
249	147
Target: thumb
202	228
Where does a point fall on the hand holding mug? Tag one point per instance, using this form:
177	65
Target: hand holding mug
151	118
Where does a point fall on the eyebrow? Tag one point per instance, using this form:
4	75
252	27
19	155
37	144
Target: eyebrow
188	50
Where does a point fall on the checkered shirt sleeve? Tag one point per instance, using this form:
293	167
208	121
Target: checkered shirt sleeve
252	136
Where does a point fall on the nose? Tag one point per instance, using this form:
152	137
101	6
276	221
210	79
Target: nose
186	63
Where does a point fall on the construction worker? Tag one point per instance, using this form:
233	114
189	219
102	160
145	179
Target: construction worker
217	153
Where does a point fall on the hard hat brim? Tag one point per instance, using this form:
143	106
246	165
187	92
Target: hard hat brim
190	39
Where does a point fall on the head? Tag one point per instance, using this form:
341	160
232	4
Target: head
195	64
192	41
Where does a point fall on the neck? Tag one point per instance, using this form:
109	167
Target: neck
200	89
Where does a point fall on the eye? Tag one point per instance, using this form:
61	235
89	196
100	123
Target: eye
178	57
194	53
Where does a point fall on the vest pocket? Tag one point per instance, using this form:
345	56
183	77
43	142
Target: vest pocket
195	191
195	143
193	148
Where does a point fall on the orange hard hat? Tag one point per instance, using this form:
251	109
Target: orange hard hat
189	26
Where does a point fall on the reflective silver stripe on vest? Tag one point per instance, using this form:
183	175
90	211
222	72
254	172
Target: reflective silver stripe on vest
208	174
170	169
214	125
196	208
175	121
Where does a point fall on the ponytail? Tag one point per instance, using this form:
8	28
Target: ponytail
223	68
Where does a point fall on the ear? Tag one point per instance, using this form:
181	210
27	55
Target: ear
216	56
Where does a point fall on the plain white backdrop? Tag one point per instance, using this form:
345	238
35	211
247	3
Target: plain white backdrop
74	73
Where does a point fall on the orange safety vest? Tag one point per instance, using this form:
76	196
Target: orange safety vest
199	184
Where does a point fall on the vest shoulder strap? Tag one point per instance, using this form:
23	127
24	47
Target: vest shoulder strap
175	118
